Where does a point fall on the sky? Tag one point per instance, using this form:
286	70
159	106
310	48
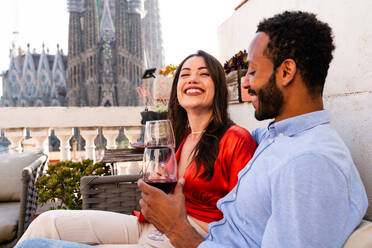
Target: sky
187	26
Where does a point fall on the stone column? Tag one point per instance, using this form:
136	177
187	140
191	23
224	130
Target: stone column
64	135
15	136
89	134
40	135
111	133
132	133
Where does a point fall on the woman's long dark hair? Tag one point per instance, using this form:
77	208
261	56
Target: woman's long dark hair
207	148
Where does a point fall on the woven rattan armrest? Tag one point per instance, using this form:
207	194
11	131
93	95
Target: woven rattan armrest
111	193
29	197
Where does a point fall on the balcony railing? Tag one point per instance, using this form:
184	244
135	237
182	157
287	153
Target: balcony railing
40	121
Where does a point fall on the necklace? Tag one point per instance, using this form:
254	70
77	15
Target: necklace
198	132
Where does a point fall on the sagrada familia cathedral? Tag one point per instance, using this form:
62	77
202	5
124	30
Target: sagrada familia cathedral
110	44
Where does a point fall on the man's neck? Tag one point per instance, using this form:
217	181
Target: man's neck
301	106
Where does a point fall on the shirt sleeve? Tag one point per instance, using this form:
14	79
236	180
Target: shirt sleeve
239	150
309	205
211	244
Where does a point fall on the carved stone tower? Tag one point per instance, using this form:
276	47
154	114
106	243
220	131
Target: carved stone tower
105	62
152	35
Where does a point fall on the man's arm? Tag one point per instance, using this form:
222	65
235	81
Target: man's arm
310	204
168	214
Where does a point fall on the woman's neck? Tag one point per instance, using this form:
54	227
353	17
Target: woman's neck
198	123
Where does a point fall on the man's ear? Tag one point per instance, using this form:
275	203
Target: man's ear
286	72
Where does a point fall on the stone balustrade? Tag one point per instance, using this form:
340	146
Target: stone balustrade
41	120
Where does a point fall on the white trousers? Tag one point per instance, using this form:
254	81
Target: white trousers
101	228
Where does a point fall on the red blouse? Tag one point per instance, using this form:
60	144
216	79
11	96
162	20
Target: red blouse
236	148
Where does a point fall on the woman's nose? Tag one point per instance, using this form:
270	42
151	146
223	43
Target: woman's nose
193	78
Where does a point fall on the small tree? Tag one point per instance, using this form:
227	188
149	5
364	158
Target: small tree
62	182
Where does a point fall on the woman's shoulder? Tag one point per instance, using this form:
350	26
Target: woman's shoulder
237	134
237	131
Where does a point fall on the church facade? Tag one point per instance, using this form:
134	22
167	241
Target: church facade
106	52
109	47
35	79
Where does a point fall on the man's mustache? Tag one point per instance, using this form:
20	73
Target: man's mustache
251	92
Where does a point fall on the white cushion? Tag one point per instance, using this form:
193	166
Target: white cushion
9	214
11	166
361	237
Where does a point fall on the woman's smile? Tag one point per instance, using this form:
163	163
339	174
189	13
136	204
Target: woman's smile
193	91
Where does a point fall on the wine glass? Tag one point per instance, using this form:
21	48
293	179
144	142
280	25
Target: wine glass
159	161
159	134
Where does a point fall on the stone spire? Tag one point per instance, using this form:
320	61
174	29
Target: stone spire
29	74
75	6
11	84
14	62
120	23
152	35
59	89
107	28
44	80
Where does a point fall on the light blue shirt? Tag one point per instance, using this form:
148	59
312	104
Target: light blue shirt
300	189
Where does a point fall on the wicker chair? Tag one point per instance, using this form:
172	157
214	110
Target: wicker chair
29	197
111	193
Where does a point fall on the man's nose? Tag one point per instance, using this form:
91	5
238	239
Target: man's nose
245	86
245	82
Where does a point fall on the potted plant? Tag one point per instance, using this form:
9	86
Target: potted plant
160	113
61	183
235	68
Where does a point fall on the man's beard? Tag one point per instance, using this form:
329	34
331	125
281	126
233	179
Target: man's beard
270	100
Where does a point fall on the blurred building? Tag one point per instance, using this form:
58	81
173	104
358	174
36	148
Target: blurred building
106	52
34	79
110	44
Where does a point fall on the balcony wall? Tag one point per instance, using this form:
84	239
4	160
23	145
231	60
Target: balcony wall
348	89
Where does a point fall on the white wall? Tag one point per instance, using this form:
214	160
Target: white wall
348	89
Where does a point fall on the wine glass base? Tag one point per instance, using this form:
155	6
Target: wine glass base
157	236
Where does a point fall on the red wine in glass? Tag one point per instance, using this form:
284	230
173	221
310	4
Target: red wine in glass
159	161
166	185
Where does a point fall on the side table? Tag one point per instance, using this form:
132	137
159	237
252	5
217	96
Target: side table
112	156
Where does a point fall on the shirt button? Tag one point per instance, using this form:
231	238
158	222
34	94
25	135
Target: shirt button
281	134
234	195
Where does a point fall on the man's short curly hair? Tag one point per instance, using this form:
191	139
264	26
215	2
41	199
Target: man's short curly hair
302	37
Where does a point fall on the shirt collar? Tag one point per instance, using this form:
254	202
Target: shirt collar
300	123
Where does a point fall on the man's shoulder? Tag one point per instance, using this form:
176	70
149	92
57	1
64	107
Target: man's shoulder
322	143
258	134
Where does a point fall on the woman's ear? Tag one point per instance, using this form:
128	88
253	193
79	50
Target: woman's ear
286	72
